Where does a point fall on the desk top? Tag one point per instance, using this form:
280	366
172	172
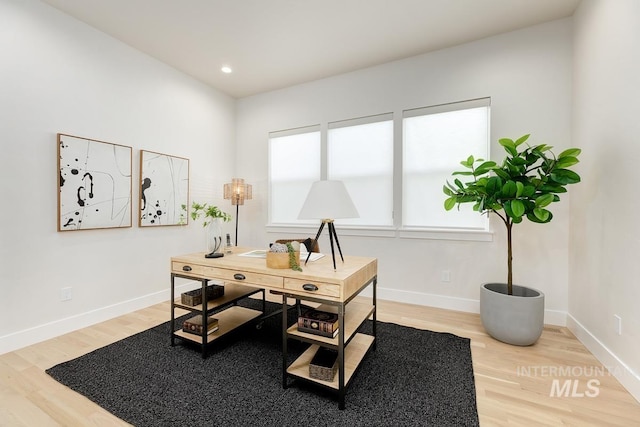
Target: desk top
350	275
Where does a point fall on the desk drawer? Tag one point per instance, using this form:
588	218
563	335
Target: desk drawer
186	268
311	287
246	277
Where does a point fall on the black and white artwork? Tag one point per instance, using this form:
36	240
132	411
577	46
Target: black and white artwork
164	189
94	184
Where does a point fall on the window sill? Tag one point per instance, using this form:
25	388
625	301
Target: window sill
423	233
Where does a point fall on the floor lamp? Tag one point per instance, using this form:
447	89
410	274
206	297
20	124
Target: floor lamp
238	192
328	200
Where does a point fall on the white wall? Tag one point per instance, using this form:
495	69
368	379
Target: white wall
59	75
605	230
526	73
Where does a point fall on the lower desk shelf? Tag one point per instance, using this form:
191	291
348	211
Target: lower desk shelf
355	315
353	355
228	320
230	316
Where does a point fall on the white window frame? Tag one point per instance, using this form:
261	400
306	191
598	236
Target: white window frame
381	214
481	230
397	229
296	200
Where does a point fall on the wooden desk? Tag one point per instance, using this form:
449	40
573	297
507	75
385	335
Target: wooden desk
318	282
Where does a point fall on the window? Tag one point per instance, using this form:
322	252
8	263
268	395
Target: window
360	153
294	164
436	139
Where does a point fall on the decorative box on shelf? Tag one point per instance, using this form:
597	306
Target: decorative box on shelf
324	364
280	259
194	297
193	325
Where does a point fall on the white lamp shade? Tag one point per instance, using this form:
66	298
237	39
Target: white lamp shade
328	200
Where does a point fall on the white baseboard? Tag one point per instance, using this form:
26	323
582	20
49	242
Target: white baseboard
617	367
551	317
56	328
430	300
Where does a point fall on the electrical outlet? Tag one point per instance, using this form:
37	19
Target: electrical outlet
618	324
66	294
445	276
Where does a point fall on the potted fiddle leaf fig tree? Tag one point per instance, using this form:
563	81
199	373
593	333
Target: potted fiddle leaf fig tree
524	185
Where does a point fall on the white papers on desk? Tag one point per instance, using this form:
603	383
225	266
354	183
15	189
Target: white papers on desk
314	256
260	253
255	254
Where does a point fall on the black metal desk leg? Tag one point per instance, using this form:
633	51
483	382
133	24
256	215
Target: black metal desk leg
284	340
341	390
173	317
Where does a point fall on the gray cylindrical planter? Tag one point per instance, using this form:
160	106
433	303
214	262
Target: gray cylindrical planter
515	319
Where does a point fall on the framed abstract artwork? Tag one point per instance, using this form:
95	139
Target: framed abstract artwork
164	189
94	184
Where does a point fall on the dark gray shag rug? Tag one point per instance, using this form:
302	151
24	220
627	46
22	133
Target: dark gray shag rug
413	378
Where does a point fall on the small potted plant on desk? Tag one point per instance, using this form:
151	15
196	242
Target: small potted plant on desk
213	218
529	179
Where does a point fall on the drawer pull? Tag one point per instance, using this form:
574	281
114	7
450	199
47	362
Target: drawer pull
186	268
309	287
239	276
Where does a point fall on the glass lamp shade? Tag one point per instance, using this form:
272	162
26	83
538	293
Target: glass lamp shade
328	200
237	191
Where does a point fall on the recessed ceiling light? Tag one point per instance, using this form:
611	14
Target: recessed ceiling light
226	69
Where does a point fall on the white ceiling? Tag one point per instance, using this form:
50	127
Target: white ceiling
272	44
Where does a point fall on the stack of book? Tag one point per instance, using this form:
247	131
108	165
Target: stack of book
319	322
193	325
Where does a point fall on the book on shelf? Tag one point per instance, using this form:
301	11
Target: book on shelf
319	333
193	325
319	322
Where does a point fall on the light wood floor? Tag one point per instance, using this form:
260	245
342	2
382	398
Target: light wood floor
507	394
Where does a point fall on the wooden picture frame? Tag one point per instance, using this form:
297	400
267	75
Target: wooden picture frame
94	184
164	190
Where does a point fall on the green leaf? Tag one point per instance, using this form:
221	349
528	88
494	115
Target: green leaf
533	218
550	188
544	200
459	183
566	161
446	190
518	161
484	168
509	189
522	139
542	214
519	189
570	152
565	176
480	205
465	173
494	184
502	174
468	163
509	146
517	207
539	149
449	203
528	191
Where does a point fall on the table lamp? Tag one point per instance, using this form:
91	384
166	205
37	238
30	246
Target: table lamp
328	200
238	192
